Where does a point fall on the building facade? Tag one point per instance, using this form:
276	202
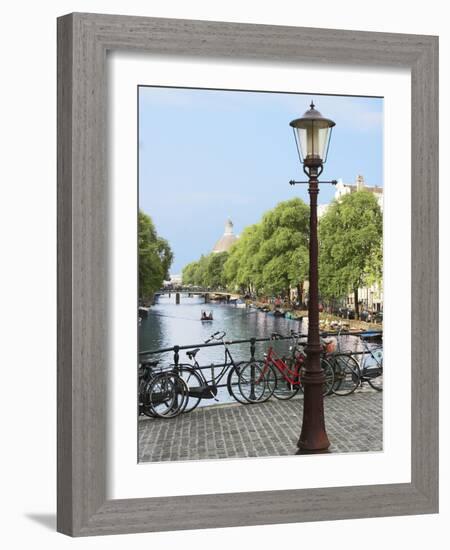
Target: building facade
342	189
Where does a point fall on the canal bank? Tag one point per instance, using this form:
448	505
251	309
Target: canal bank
328	321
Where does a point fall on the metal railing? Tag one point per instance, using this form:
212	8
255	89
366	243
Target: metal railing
252	341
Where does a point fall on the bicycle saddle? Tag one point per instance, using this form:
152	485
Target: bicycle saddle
149	363
192	353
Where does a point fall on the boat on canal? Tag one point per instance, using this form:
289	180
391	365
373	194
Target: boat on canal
206	318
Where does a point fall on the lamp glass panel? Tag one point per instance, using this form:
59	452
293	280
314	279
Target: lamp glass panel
313	138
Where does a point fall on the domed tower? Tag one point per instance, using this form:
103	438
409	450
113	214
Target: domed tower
227	239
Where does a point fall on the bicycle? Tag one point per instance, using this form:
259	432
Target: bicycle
283	376
162	394
344	365
145	373
371	365
199	387
287	369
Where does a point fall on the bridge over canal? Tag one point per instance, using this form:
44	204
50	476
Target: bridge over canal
208	294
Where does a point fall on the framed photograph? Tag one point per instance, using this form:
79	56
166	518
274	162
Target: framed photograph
232	276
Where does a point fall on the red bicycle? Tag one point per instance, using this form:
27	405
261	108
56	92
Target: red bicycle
281	376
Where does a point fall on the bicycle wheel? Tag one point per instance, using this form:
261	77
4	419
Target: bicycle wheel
166	395
374	372
256	382
195	384
346	374
327	387
143	401
329	376
287	385
233	383
376	383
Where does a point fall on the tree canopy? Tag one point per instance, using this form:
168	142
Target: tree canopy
206	272
270	256
283	255
155	257
350	240
241	270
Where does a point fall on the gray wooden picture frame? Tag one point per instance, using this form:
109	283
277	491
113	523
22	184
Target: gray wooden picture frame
83	41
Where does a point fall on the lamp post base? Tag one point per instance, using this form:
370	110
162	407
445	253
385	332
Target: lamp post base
313	437
312	451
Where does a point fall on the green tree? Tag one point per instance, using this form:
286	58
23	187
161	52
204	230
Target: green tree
270	256
207	271
189	273
283	255
155	257
350	237
214	277
201	272
241	269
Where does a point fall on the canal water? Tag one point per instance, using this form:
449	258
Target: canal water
169	324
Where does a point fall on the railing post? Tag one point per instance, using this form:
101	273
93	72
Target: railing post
176	357
252	348
252	369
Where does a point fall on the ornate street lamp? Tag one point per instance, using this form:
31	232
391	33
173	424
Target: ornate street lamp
312	134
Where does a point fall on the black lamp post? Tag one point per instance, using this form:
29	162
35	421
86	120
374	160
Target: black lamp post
312	134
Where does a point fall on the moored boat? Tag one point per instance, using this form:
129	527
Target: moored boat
279	313
291	315
372	336
143	311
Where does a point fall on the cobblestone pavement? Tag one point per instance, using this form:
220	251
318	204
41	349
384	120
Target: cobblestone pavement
354	423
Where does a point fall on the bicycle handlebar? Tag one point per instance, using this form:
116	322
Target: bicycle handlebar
214	336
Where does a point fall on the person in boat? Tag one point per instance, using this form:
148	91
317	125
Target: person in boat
205	317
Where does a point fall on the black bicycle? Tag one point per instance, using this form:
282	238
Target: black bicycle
162	393
202	387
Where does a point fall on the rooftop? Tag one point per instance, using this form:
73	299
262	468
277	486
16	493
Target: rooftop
227	239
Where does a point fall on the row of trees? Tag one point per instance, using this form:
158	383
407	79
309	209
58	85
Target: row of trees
207	272
155	258
268	258
271	257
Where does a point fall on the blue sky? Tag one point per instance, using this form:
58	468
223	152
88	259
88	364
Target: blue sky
209	155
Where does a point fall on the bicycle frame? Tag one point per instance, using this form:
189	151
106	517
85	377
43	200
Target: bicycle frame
214	379
228	363
290	375
370	351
